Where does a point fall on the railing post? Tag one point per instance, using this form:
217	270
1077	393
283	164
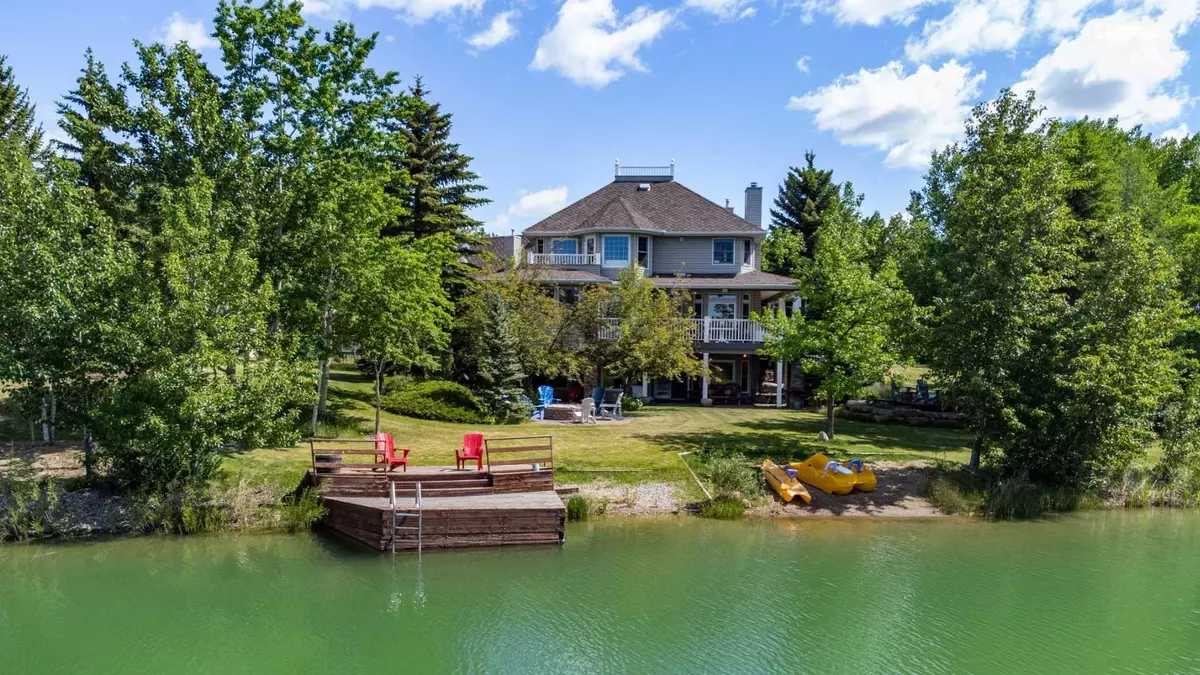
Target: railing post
706	334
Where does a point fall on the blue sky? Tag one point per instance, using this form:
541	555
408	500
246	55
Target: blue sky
547	95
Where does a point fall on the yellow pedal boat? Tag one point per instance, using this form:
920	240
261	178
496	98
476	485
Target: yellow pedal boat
788	487
864	473
836	478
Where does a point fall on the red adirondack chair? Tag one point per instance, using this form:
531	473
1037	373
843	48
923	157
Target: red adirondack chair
385	447
472	449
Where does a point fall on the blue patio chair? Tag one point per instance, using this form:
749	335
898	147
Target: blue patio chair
598	395
923	392
895	391
545	398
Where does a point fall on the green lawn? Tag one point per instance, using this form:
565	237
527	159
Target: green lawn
647	447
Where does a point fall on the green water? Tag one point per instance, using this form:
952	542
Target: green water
1103	592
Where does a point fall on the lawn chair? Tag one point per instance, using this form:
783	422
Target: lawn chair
612	404
924	394
385	452
587	411
895	391
546	397
472	449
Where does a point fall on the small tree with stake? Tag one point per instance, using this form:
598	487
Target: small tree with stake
399	312
850	332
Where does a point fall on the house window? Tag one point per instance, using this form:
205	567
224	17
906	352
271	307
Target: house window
745	305
568	295
745	374
616	250
643	251
564	246
722	251
697	305
541	245
722	306
589	246
747	251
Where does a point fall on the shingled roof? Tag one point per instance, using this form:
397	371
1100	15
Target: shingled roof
667	207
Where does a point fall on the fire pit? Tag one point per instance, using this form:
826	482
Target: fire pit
561	412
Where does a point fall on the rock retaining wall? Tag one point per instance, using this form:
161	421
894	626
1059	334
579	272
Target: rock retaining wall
888	413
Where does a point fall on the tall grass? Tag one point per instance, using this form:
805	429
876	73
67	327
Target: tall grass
724	508
578	508
955	490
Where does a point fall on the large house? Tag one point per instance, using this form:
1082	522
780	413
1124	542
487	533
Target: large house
646	219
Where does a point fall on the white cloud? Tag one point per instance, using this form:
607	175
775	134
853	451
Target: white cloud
908	116
1118	65
802	64
501	30
591	45
1178	133
870	12
176	28
389	38
972	26
412	11
532	204
725	10
1060	16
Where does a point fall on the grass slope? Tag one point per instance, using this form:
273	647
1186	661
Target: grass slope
644	449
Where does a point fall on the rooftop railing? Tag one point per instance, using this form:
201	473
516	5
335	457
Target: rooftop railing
631	173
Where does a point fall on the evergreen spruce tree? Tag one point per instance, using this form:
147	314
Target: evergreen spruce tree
500	375
806	195
17	119
440	185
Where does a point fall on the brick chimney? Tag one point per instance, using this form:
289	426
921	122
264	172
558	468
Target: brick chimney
754	204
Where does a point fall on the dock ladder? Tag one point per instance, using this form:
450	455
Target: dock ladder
398	514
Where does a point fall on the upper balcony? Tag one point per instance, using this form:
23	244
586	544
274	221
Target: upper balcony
707	330
566	259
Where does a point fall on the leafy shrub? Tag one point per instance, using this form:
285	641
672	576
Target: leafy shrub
436	400
299	513
29	507
578	508
724	508
730	473
631	404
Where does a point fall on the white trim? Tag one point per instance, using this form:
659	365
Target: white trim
733	254
629	252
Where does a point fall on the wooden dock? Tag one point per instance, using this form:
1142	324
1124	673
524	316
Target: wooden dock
511	501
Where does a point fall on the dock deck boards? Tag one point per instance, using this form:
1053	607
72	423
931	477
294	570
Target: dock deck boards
513	505
546	500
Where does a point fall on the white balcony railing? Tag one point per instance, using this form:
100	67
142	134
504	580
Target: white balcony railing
563	259
707	330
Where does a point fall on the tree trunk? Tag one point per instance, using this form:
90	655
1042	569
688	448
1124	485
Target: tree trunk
323	387
378	392
88	453
976	450
829	417
53	415
45	417
322	384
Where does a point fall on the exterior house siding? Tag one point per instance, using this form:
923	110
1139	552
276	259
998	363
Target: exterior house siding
692	255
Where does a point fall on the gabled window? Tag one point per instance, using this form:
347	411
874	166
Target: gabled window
723	251
616	250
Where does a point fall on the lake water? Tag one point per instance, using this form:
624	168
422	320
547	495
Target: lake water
1097	592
